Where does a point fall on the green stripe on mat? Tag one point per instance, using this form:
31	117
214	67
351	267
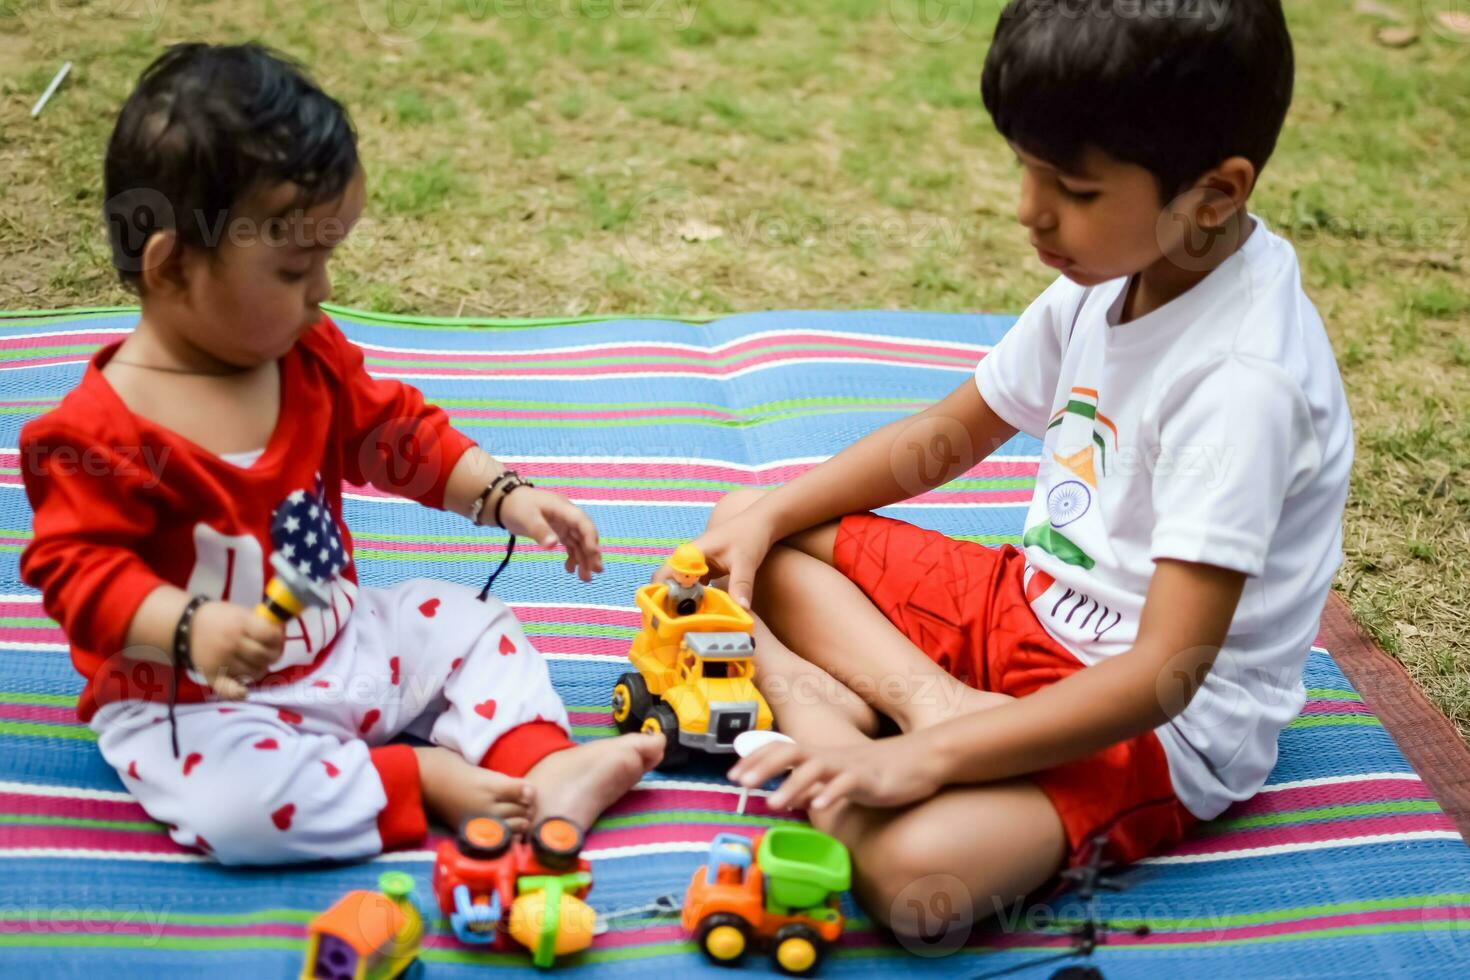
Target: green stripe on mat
70	700
48	700
226	944
647	819
559	364
1311	814
82	733
1330	720
37	729
760	408
856	924
88	823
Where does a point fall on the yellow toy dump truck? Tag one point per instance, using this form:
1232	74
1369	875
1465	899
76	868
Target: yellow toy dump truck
695	676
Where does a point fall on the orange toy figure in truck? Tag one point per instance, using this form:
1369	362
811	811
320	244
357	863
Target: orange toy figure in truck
780	892
685	593
695	673
495	887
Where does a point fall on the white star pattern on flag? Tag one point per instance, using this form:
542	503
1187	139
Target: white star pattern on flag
301	522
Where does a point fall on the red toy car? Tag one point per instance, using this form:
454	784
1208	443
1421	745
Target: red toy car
482	875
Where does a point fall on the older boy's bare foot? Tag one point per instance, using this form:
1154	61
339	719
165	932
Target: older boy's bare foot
925	709
454	790
581	782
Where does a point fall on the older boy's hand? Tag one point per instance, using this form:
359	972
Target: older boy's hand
550	519
232	646
884	773
735	548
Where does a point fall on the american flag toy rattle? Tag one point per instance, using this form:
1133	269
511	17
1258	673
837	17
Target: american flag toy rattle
308	555
289	593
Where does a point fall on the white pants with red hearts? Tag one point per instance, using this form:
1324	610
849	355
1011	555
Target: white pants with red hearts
303	772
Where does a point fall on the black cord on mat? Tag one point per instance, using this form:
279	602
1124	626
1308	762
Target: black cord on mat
509	550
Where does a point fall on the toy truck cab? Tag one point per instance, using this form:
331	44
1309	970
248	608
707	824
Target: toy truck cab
695	677
781	892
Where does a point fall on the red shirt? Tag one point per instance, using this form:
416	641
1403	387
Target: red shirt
124	505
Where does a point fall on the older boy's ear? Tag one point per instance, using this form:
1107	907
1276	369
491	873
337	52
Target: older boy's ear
163	264
1227	188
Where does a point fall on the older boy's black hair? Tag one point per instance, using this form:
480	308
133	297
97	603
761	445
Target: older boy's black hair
205	127
1175	86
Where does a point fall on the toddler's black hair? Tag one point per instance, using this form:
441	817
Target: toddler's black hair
1175	86
206	126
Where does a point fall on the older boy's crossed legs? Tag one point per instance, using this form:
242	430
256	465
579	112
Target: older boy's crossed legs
934	868
837	629
960	857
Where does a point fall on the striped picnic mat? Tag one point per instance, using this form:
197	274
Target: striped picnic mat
1343	866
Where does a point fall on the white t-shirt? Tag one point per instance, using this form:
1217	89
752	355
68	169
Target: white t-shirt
1214	429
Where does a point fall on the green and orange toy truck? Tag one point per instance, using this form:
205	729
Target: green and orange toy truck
780	892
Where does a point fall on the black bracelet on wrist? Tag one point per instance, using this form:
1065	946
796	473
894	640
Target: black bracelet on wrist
183	632
183	660
515	484
479	506
511	480
484	495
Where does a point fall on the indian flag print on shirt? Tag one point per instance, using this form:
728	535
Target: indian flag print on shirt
1081	446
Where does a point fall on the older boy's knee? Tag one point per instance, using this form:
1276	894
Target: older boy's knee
733	503
904	876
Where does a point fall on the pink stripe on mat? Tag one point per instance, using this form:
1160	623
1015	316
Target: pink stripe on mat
1333	794
654	349
1336	828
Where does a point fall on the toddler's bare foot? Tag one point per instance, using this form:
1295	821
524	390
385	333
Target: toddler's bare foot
454	790
926	709
579	783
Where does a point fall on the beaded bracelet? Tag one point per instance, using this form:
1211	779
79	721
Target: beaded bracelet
512	480
183	660
479	505
509	479
516	484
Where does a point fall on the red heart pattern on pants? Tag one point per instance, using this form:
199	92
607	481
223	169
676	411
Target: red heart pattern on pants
507	646
282	817
486	709
190	761
368	721
429	608
267	744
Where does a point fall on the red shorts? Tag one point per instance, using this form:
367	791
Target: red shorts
964	605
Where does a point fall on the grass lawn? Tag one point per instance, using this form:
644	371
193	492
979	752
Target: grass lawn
547	157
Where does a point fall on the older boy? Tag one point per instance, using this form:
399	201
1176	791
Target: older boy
1127	672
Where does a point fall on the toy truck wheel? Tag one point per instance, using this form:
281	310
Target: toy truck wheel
556	842
661	719
797	950
630	702
723	937
484	838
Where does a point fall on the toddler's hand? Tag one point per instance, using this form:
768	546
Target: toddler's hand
231	645
550	519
